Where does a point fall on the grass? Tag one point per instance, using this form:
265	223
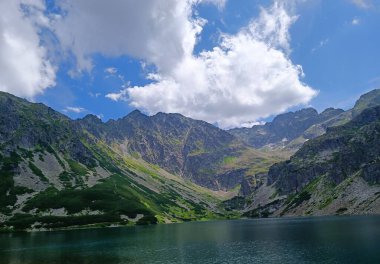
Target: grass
299	199
229	160
100	197
7	189
77	168
24	221
254	161
144	168
116	196
296	199
37	171
112	197
325	203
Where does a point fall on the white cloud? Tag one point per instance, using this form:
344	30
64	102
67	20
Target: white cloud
95	95
365	4
251	124
158	31
219	3
74	109
355	21
24	67
100	116
321	44
247	77
117	96
111	70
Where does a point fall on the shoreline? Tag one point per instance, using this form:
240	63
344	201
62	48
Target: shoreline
105	226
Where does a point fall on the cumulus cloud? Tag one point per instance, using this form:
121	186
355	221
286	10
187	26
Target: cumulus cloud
74	109
246	77
158	31
118	96
24	67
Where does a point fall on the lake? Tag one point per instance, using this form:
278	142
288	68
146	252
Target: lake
353	239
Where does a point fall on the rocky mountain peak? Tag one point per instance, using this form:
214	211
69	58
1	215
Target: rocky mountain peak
330	112
90	118
367	100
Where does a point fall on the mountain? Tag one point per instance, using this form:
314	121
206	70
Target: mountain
365	101
284	128
193	149
57	172
289	131
336	173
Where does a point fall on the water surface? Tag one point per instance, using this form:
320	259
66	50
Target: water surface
297	240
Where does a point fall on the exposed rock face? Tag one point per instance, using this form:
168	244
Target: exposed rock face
50	162
291	130
340	153
367	100
18	115
191	148
335	173
25	125
284	128
176	143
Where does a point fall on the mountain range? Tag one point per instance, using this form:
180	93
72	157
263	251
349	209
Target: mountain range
56	172
290	130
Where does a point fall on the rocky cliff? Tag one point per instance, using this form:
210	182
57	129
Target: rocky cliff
56	172
193	149
285	128
336	173
289	131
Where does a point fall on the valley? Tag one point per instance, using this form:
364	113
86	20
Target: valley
56	172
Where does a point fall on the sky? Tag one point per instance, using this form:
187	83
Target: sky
229	62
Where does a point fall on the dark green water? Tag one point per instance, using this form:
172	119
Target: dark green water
302	240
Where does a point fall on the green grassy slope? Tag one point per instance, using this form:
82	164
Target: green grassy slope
55	174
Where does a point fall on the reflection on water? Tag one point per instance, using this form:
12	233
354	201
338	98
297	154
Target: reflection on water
297	240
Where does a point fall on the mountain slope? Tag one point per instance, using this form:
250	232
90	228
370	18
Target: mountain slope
336	173
56	172
193	149
289	131
53	173
367	100
284	128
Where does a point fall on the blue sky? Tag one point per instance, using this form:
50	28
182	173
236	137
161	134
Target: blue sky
337	44
83	57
